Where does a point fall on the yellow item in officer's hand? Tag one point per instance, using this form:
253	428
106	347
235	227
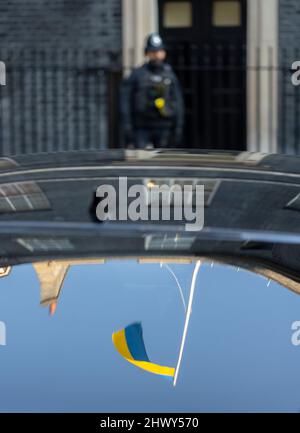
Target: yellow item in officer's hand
160	103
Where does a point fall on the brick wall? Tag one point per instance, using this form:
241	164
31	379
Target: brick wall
57	53
289	96
289	23
67	23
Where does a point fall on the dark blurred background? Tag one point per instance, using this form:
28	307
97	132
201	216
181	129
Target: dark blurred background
65	60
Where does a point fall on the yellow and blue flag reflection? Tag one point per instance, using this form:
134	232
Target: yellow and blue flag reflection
129	342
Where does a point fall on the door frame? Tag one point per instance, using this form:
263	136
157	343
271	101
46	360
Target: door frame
262	86
141	17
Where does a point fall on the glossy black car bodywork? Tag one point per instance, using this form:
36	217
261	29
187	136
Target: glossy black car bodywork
252	213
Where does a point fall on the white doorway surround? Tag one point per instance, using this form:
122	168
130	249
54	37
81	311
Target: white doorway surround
262	76
140	17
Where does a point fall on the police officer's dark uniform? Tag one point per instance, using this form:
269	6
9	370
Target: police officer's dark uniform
152	103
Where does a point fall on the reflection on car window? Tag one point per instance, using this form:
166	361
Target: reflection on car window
240	339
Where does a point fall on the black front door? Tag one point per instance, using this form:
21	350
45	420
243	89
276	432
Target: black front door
206	42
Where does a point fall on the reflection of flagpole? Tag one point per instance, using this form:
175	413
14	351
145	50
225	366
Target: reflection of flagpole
187	319
177	282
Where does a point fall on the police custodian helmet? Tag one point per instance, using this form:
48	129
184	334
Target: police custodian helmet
154	43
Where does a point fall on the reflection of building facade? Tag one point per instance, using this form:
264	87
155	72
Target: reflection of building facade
51	276
4	272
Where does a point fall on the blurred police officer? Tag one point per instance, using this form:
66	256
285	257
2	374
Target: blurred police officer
152	103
